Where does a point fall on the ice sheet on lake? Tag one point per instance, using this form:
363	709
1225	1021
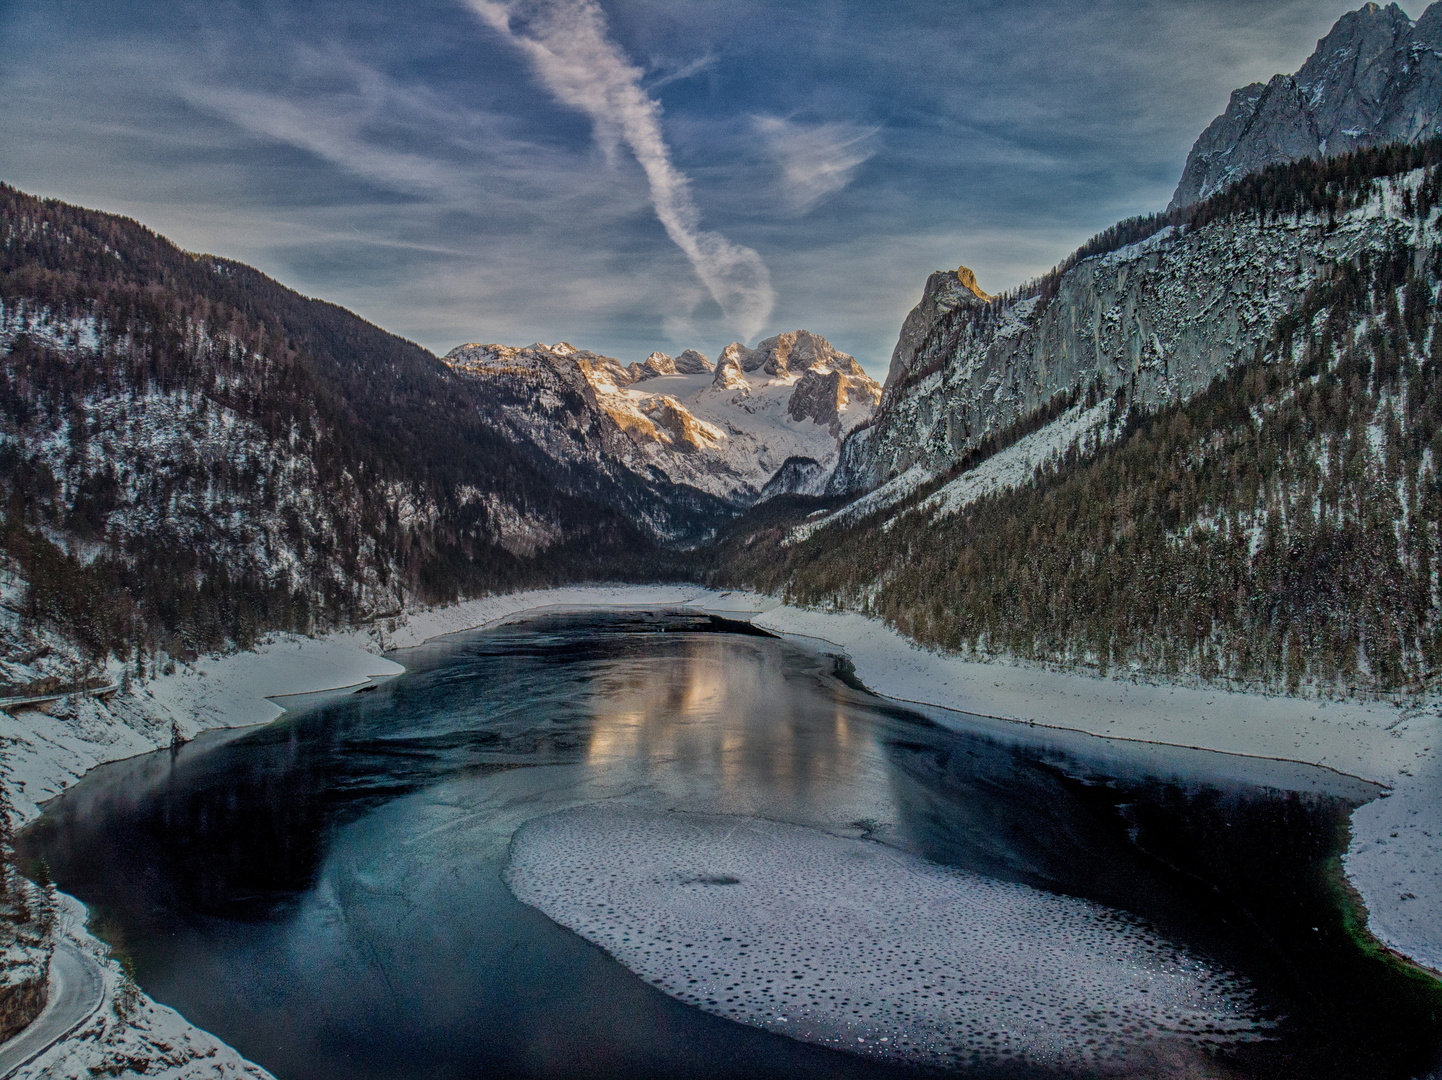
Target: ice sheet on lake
848	943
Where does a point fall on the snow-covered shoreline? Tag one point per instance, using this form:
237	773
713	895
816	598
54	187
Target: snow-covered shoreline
129	1034
1393	862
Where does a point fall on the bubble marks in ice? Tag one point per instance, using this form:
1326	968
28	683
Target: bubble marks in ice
851	944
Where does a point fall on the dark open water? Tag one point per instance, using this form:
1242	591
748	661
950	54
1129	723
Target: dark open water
324	893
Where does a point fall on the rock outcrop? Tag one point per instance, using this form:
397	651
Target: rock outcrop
818	397
943	292
731	367
967	278
655	365
800	351
797	476
1375	78
27	939
1149	324
692	362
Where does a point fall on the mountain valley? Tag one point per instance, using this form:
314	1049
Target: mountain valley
1198	461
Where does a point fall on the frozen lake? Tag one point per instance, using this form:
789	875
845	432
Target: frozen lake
732	865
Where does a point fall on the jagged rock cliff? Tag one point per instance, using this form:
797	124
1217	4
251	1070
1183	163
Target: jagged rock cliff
691	362
723	433
944	291
1268	515
1375	78
1149	324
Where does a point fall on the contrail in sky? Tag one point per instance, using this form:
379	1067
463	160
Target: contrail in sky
566	41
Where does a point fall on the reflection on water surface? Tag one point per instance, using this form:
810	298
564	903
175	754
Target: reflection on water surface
325	892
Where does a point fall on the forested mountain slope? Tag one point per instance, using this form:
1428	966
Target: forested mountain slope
1214	452
191	453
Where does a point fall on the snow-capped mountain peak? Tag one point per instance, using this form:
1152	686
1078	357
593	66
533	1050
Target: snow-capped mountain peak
725	430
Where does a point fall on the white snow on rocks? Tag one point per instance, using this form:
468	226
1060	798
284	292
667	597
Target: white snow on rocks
130	1035
726	431
848	943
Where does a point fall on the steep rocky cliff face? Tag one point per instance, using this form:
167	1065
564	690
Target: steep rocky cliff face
1213	452
944	291
1147	325
1376	78
721	434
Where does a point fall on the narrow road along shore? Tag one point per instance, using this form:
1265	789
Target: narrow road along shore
76	991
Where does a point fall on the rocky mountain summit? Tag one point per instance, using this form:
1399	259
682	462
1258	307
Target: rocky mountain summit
944	291
724	431
1146	324
1375	78
689	362
1205	444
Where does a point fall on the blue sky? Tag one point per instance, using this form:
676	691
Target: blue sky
628	175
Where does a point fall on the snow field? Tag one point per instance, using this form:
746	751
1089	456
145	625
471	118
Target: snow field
1006	469
1395	863
1014	466
1374	741
847	943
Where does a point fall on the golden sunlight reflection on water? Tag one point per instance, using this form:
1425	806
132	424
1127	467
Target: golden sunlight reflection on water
699	720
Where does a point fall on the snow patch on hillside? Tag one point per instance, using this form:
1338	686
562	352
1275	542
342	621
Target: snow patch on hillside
888	494
1006	469
1015	466
65	332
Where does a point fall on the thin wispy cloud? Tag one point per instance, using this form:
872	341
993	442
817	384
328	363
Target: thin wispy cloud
816	160
673	72
437	170
568	45
329	131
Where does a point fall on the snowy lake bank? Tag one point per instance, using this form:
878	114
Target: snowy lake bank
335	880
1393	862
